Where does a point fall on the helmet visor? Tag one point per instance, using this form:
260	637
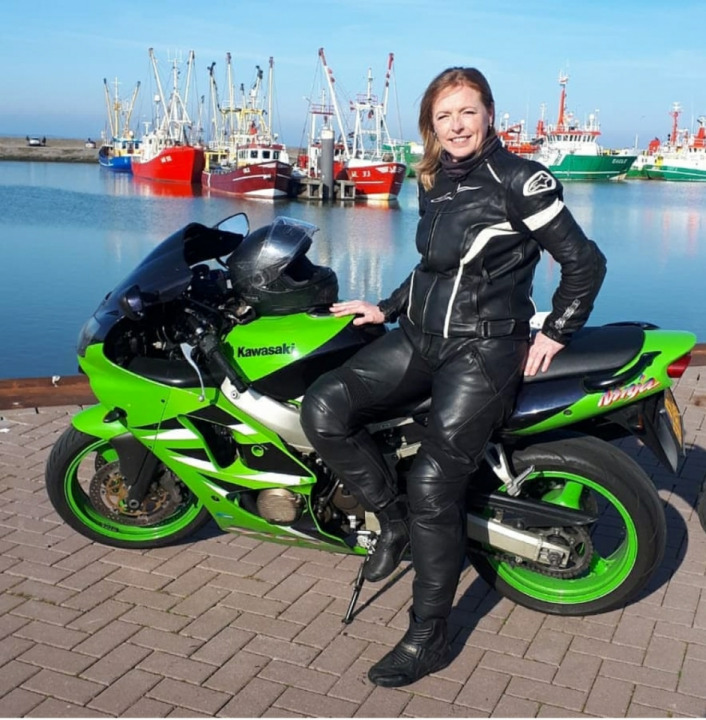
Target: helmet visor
285	240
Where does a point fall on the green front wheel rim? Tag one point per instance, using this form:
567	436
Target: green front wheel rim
81	506
605	572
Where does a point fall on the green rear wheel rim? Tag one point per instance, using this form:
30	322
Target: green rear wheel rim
80	504
605	573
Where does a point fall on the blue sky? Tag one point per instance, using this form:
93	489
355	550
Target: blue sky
630	60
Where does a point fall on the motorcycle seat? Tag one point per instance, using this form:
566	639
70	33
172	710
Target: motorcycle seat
592	351
599	349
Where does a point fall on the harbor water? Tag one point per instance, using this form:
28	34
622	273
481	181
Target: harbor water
70	232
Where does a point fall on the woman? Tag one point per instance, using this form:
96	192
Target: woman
463	339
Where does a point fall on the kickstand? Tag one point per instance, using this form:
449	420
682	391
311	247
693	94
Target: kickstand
356	592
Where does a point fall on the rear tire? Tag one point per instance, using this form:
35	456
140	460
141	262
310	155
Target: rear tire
86	488
626	544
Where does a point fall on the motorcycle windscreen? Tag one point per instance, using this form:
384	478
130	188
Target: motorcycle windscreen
166	272
163	275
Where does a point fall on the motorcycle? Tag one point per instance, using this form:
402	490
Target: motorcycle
197	420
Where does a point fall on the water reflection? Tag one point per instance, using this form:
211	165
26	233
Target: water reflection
155	188
69	233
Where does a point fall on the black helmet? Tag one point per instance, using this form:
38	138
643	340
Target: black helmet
271	273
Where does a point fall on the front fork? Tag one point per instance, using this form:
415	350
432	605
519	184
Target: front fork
137	462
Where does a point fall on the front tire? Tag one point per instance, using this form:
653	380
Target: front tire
86	488
622	550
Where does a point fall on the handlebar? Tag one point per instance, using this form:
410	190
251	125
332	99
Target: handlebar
210	346
207	341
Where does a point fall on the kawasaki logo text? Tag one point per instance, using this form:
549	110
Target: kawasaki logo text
283	349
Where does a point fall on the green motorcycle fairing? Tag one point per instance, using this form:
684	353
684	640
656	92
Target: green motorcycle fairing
215	448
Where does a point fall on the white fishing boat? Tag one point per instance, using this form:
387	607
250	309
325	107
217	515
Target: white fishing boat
683	158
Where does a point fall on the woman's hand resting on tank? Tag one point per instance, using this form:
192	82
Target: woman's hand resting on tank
366	312
541	352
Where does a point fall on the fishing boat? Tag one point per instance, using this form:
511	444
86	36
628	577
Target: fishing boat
571	150
656	148
246	158
683	159
644	158
308	164
376	174
166	152
117	152
516	139
373	170
408	152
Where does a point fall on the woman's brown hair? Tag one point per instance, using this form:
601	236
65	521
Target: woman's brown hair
451	77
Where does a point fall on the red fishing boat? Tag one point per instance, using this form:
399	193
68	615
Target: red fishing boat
516	138
373	169
249	161
166	153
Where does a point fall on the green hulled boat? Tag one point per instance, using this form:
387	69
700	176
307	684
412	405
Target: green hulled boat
571	150
572	166
683	166
637	169
408	152
685	159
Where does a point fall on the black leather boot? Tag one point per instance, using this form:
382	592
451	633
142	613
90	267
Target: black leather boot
392	543
424	649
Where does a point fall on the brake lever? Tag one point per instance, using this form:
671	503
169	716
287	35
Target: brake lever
187	351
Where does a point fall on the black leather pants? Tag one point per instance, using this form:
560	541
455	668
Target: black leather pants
472	383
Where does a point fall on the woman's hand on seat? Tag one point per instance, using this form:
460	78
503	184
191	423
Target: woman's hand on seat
541	353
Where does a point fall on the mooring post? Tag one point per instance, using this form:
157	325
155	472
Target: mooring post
328	189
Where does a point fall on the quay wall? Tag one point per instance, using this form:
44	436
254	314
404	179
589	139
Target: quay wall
55	150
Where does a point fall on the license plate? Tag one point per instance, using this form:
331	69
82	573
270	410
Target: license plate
670	405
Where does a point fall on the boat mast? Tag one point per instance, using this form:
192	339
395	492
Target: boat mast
189	67
330	81
270	86
131	107
215	110
161	99
540	130
675	113
388	77
563	79
112	106
231	109
390	60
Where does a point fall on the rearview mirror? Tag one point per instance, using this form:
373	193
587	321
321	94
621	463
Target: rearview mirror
238	224
132	303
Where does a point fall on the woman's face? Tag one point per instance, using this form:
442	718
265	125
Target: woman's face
460	120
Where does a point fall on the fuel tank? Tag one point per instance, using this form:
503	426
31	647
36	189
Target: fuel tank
281	356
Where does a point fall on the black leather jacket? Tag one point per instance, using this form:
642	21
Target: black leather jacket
480	239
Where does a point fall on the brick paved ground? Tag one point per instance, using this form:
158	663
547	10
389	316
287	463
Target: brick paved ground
228	626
